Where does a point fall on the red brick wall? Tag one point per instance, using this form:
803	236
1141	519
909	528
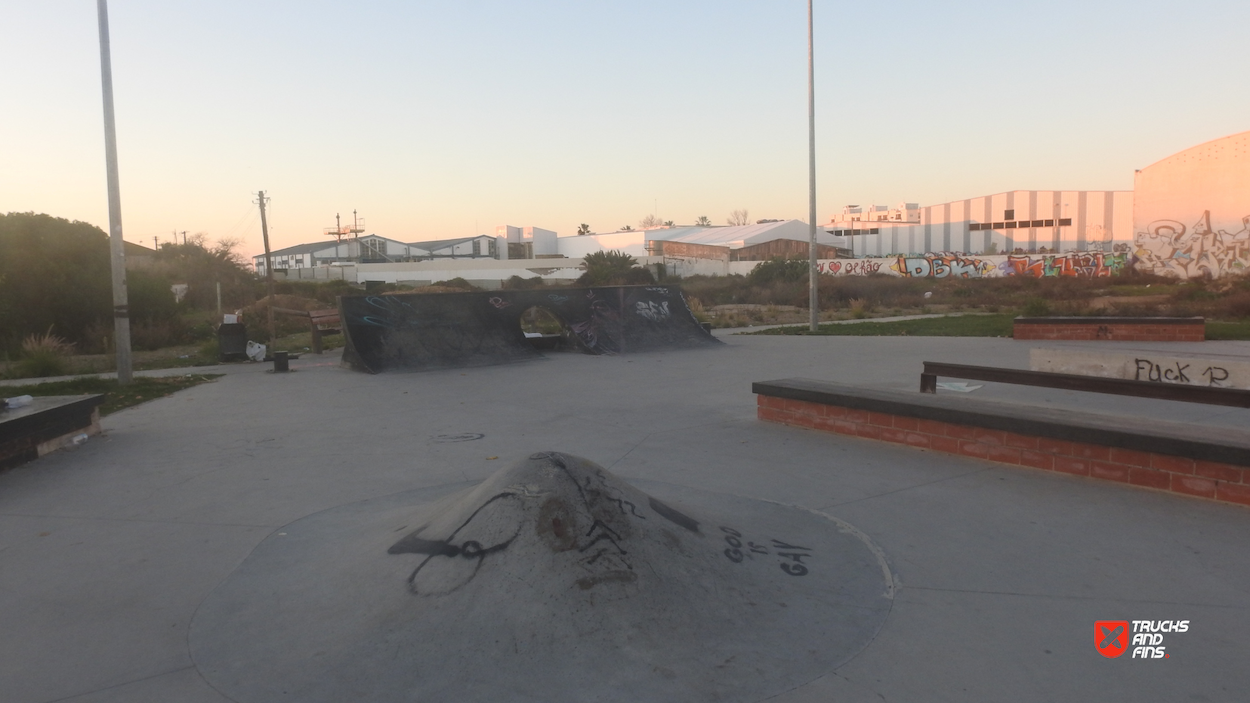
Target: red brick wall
1120	332
1204	479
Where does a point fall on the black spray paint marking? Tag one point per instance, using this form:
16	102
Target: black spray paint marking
1175	372
451	438
795	553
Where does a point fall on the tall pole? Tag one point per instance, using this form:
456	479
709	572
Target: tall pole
811	172
117	246
264	230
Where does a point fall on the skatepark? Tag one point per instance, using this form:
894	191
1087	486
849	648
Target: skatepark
152	562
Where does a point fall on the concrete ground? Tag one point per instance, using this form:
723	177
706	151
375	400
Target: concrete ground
107	551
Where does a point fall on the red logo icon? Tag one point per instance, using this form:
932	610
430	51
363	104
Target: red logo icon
1111	637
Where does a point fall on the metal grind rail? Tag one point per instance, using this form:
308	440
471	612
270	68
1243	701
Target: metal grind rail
1233	397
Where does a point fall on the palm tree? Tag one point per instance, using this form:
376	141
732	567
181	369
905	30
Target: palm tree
583	229
703	221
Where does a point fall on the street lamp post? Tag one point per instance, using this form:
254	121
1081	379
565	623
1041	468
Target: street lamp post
117	246
811	173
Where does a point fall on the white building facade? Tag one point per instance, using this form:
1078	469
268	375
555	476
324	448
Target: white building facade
1018	221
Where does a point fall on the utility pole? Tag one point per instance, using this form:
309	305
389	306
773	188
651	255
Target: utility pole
264	230
811	173
117	245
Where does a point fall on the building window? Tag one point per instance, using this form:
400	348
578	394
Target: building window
1009	214
1065	222
1037	223
1010	225
997	225
1048	223
974	227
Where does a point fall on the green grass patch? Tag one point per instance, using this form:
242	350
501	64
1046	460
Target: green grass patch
1228	330
140	390
951	326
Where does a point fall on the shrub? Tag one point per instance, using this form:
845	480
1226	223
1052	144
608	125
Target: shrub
605	268
457	282
518	283
1037	307
44	355
779	269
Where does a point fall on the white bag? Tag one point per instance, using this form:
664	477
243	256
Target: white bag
255	352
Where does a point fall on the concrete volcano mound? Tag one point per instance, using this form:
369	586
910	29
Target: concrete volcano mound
553	580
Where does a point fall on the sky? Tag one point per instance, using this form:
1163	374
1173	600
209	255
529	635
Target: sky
445	119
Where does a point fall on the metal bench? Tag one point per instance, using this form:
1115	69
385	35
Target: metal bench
1234	397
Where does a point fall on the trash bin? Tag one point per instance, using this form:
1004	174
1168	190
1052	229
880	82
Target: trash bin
232	341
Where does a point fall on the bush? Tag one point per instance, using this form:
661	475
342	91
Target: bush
518	283
608	268
779	269
457	282
44	355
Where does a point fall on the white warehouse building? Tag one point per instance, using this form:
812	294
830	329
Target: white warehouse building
1017	221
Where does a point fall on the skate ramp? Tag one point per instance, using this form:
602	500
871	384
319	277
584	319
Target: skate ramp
448	330
553	580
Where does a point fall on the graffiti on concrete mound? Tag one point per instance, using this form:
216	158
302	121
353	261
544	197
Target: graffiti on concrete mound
1169	248
572	505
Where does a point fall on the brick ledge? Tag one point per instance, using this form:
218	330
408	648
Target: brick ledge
1153	454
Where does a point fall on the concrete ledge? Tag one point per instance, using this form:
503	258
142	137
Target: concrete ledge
1131	329
47	424
1193	460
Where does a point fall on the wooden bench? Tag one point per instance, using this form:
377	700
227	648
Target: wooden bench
322	322
1234	397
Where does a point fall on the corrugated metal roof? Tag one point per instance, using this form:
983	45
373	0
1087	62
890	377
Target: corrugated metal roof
435	244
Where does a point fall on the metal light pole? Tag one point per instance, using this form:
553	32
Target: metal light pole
117	246
811	173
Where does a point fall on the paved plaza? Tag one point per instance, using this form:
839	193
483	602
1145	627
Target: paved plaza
107	552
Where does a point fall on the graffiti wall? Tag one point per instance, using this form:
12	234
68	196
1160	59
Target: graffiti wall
1191	211
1090	264
1169	248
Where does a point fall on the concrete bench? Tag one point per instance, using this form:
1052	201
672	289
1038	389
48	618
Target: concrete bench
46	425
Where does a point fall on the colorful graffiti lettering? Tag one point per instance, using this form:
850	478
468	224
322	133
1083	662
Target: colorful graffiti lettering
1083	264
1168	248
942	266
849	267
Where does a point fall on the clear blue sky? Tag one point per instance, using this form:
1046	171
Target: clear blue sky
444	119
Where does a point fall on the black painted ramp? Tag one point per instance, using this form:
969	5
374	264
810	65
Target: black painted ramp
446	330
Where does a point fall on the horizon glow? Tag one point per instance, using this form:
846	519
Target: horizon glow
439	120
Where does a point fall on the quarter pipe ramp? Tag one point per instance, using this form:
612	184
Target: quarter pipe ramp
446	330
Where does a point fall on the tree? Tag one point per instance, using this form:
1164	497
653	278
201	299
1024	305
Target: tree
703	221
626	228
739	217
669	223
613	268
583	229
650	222
56	273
